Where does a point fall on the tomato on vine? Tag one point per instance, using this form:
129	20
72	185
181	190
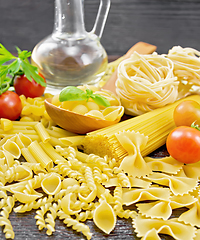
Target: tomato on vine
28	88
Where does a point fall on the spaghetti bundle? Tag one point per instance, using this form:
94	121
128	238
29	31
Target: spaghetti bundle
146	82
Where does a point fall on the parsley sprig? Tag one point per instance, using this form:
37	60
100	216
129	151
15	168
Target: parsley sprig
10	66
72	93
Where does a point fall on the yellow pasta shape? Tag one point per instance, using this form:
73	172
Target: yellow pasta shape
18	173
89	197
158	209
42	133
190	170
186	64
51	184
6	124
25	197
68	182
72	141
170	227
104	217
12	148
179	201
197	234
75	224
133	143
28	156
146	82
40	155
135	195
95	113
113	113
178	185
67	204
9	158
151	235
101	191
35	167
166	164
22	140
192	215
50	151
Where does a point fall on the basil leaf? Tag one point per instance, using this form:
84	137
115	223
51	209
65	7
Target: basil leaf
100	100
72	93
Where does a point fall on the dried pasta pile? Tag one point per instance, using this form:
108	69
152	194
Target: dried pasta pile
147	82
59	181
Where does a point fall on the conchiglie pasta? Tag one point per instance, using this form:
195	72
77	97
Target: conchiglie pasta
91	108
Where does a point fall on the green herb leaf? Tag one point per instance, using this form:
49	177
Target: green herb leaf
5	55
100	100
31	72
72	93
19	65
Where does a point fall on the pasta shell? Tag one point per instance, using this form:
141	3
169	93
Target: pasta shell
51	184
95	113
25	197
22	140
12	148
113	113
23	173
104	217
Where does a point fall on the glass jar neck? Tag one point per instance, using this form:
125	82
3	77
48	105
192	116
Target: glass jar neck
69	21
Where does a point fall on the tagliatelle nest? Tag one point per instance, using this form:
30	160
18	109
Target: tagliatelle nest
147	82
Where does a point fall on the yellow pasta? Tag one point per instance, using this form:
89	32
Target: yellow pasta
41	131
104	217
6	124
146	82
40	155
155	124
51	184
12	148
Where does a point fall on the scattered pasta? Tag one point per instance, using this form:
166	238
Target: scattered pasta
43	168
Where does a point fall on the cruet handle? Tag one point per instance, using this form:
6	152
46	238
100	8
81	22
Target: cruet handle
101	17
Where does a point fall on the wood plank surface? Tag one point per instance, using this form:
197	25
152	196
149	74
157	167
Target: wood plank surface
164	23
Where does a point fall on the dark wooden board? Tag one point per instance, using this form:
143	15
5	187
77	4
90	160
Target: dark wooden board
164	23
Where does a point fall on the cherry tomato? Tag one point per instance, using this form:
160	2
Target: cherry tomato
183	144
10	105
28	88
186	113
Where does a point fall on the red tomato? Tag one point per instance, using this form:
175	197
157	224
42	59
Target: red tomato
186	113
28	88
183	144
10	105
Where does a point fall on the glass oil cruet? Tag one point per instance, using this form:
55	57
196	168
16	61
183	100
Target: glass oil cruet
71	55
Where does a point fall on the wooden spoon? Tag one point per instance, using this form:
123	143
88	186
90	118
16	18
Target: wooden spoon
75	122
141	48
81	124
